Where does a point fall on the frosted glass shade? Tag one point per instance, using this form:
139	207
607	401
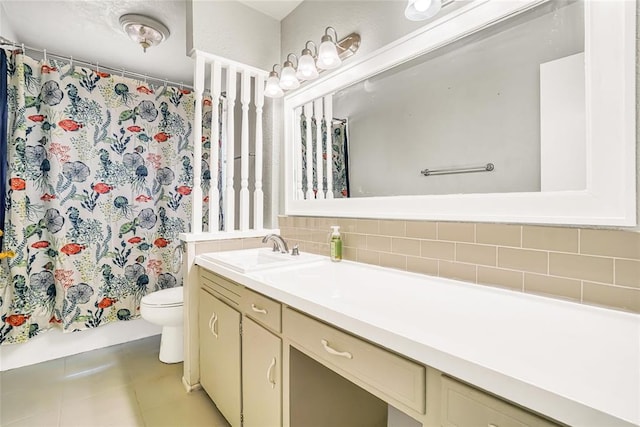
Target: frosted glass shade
272	87
419	10
288	79
328	56
307	68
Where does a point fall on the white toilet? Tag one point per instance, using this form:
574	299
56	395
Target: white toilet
164	308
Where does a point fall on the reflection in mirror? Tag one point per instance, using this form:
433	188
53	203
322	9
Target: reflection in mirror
512	94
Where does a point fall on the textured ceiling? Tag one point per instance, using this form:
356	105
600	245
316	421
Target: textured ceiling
89	30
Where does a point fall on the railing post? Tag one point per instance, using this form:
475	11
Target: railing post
229	220
258	196
308	112
328	118
214	193
245	98
318	113
196	211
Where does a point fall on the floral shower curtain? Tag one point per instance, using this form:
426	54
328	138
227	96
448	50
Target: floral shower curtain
99	184
339	156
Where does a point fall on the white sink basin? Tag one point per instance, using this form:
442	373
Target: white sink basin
249	260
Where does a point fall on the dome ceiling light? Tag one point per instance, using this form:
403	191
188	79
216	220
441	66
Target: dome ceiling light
145	31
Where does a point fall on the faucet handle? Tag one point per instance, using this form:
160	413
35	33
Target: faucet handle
295	251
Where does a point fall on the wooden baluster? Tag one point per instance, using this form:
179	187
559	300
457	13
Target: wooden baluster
328	117
317	114
229	215
258	196
308	112
297	151
214	193
245	99
196	211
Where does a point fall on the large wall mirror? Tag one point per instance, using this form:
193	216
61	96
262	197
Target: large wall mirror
497	111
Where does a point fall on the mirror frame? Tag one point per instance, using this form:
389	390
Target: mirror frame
610	196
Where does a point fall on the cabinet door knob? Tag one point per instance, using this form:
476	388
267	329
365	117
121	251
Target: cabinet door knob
212	324
258	309
270	379
330	350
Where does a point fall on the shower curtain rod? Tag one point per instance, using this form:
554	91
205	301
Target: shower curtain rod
6	42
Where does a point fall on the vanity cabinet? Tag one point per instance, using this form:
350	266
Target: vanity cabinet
265	363
463	405
240	352
220	375
261	376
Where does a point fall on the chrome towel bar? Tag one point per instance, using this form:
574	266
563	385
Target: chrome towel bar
485	168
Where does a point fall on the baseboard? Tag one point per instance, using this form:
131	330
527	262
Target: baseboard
190	387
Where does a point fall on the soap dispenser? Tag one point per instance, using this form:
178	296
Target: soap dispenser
336	244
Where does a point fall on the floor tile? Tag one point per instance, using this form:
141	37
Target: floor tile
119	386
46	419
41	400
113	407
191	410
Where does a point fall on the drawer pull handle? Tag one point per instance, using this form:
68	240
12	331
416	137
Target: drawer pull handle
258	309
330	350
212	325
270	373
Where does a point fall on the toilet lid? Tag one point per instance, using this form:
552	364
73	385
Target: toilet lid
166	297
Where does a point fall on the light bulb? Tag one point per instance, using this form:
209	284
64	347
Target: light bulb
272	87
327	54
288	79
422	5
306	66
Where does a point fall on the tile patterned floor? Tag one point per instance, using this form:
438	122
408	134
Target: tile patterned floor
123	385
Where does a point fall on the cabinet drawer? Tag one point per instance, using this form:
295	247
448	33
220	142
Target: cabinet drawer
464	406
395	378
262	309
232	292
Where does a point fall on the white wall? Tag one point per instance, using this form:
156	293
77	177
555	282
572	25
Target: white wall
233	30
5	27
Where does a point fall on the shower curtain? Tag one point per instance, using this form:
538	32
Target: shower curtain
99	184
339	156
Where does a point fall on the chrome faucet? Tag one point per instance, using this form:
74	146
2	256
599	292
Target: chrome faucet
278	243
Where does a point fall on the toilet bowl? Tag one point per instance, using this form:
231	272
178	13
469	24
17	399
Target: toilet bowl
164	308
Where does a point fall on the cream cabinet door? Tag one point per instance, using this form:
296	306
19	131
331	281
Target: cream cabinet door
219	330
261	376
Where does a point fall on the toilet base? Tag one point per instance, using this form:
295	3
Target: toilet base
171	344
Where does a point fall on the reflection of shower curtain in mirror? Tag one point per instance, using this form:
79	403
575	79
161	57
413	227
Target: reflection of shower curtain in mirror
339	156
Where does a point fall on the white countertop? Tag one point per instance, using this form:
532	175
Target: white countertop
575	363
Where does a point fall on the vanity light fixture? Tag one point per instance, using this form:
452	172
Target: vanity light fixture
419	10
307	64
328	53
288	79
272	88
145	31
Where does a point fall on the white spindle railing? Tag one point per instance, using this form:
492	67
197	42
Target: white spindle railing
308	112
196	211
230	194
214	193
245	98
328	117
317	114
297	142
225	149
258	196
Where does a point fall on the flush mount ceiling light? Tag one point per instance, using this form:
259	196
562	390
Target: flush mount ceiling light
419	10
145	31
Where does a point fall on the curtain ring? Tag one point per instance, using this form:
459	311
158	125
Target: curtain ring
44	51
122	73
